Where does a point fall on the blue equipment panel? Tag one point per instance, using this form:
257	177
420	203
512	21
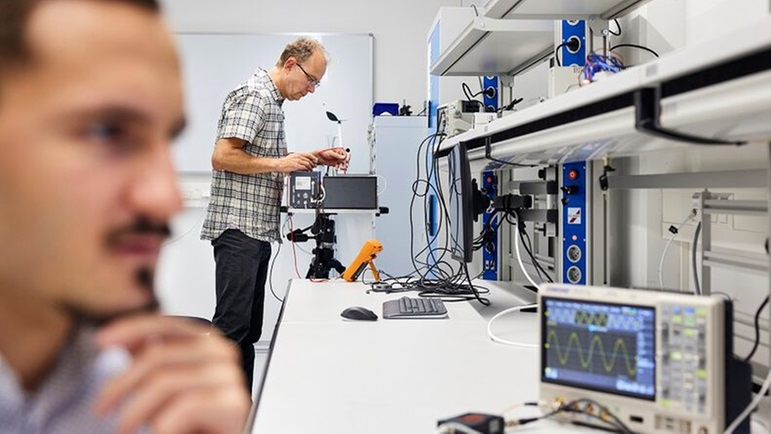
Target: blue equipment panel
577	29
574	223
490	185
431	113
490	251
491	102
433	80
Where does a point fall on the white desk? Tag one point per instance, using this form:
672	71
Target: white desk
330	375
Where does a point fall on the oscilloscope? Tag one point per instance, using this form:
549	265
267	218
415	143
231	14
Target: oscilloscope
659	361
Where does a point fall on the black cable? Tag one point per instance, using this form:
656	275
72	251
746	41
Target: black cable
510	105
431	139
557	53
574	407
508	163
606	410
482	301
475	9
489	230
422	188
615	20
488	156
417	192
696	285
532	259
524	235
757	331
641	47
471	97
435	277
467	91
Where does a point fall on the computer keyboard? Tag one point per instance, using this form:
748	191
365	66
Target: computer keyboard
409	308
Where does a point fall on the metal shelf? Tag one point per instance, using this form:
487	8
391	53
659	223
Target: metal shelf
514	35
374	211
558	9
497	47
720	92
740	109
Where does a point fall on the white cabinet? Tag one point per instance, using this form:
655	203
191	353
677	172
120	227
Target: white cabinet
397	139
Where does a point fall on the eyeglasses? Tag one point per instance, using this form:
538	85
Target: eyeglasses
312	81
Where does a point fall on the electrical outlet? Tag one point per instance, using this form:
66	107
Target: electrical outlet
724	219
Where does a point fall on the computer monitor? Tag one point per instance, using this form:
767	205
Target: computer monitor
350	192
461	204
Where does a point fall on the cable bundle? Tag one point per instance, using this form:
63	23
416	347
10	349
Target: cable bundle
596	63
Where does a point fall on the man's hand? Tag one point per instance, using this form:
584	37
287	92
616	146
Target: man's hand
182	378
336	157
295	162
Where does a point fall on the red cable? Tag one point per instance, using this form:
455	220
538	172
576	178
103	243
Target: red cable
294	252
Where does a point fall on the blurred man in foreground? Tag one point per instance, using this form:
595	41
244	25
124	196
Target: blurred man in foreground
90	100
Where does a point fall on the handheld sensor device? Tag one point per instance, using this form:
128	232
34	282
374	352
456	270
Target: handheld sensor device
366	257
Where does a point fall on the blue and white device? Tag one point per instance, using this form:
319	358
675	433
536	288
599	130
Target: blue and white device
575	186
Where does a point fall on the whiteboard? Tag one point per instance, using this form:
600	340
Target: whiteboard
214	64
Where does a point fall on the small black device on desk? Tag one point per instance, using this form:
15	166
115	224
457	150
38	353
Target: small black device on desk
479	422
409	308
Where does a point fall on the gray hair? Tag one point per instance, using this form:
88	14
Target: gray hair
302	49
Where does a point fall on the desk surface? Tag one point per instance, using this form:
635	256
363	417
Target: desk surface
330	375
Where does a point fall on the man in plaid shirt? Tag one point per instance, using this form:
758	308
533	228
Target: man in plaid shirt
249	161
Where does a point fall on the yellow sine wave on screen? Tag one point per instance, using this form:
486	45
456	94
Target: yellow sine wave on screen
585	358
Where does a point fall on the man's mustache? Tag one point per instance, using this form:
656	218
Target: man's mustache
142	226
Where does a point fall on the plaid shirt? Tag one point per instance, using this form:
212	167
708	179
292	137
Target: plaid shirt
250	203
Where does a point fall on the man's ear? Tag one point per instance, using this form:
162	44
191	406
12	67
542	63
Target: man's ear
290	63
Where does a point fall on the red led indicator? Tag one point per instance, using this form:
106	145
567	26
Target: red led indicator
573	174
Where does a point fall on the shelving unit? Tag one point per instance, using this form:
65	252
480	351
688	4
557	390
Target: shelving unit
559	9
512	36
497	47
719	89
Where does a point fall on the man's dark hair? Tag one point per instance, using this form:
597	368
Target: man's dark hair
14	18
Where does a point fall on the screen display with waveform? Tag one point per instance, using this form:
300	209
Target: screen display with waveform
599	346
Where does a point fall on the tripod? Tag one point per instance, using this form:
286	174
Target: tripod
323	230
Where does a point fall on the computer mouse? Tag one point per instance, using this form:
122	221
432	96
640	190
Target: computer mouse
359	313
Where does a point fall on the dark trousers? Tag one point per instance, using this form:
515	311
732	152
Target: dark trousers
242	267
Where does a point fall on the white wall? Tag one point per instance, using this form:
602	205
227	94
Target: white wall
400	28
666	25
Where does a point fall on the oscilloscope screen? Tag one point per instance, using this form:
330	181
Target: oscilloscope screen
599	346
